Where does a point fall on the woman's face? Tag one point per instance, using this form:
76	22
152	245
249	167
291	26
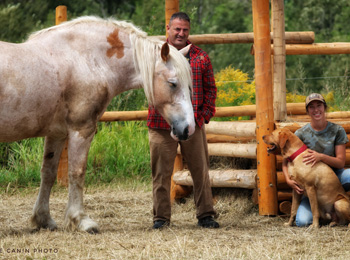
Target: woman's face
316	110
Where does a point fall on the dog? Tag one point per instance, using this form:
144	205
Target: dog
328	198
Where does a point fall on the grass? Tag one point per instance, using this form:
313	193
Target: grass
124	213
118	151
23	163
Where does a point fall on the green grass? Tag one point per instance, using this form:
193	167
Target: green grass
24	160
119	151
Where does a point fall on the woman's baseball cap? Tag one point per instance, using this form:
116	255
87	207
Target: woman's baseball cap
313	97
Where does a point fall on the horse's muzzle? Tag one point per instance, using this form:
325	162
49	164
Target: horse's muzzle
182	133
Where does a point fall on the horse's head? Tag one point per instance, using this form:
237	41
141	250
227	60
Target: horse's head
172	91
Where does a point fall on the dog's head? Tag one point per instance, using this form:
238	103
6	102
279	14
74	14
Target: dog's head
278	140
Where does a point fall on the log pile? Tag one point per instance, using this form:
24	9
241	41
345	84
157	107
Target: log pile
238	139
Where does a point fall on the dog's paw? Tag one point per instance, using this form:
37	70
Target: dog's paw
314	226
333	224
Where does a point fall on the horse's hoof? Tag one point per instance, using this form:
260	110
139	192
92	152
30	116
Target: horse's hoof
51	225
93	231
45	224
287	224
88	225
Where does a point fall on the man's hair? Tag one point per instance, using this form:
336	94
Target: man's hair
181	16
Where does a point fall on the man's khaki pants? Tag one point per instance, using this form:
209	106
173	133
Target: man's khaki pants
195	152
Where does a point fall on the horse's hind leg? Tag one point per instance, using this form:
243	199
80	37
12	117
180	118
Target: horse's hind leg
78	148
41	213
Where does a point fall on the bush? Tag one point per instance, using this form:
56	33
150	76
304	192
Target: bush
234	89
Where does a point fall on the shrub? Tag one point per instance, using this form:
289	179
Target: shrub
234	89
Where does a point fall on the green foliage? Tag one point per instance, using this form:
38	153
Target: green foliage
22	168
149	15
131	100
234	88
119	150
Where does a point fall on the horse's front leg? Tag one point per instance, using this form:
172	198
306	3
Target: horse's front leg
78	148
41	217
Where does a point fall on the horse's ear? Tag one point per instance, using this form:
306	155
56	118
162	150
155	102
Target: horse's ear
165	52
185	50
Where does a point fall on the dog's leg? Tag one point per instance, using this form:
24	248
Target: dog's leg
311	192
296	198
342	210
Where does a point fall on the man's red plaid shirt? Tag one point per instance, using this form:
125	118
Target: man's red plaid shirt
203	94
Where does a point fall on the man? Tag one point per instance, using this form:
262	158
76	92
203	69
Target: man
195	150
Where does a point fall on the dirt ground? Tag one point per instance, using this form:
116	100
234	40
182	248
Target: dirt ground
125	218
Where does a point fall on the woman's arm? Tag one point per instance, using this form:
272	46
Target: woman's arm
293	184
336	162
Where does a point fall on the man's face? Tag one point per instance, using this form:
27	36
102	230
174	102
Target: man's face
178	33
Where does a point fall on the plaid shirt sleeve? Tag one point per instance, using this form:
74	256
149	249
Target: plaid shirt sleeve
203	95
204	89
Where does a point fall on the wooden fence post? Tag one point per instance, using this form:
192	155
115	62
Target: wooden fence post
171	7
266	165
178	191
279	61
62	172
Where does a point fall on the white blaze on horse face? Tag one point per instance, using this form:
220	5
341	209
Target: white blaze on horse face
173	101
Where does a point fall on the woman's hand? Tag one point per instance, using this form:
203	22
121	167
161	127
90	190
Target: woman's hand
312	157
295	186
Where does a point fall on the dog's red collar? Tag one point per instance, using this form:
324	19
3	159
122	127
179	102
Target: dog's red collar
294	155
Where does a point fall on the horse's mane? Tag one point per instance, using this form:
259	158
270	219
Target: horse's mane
146	50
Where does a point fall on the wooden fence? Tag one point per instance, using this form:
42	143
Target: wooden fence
270	99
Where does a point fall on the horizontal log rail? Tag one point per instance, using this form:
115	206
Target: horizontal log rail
233	128
221	178
294	110
110	116
315	49
248	110
232	150
226	38
216	138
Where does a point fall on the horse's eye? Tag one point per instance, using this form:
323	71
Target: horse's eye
172	84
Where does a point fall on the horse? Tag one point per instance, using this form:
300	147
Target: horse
58	83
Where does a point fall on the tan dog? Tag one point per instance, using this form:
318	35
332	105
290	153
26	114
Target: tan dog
327	197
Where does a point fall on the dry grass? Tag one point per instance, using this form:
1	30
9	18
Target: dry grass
124	215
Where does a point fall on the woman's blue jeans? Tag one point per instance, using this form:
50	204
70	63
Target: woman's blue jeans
304	214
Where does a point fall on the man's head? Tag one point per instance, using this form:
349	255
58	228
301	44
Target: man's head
178	30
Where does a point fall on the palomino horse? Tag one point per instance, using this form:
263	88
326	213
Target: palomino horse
59	82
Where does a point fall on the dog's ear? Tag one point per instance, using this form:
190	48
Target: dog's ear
283	139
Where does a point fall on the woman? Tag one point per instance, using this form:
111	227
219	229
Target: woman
326	142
